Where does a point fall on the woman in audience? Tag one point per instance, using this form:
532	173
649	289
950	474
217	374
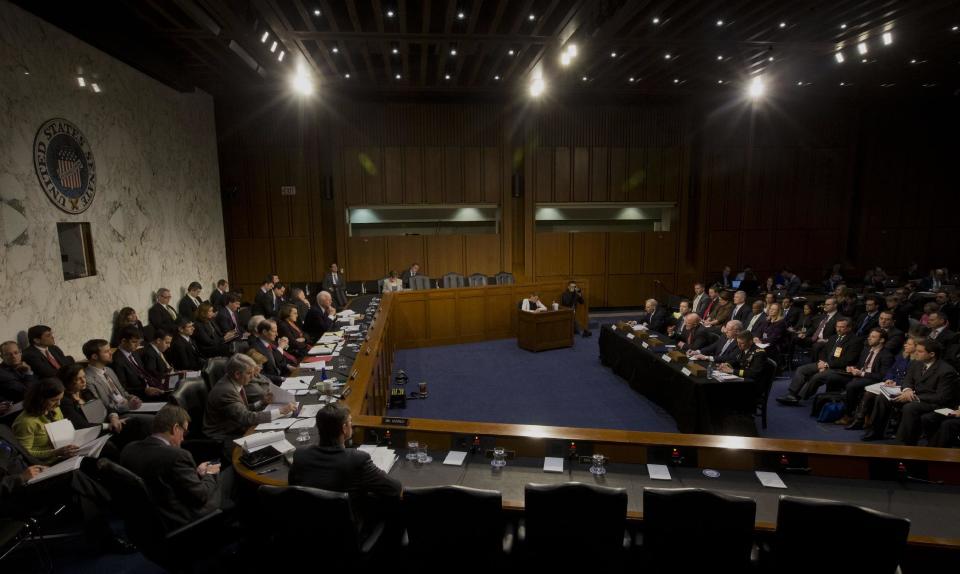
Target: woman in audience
772	331
209	339
287	327
928	307
126	316
392	283
722	311
41	406
859	403
769	286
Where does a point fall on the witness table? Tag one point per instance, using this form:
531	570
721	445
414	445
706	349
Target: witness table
545	330
702	406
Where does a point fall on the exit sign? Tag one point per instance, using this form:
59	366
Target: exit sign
288	190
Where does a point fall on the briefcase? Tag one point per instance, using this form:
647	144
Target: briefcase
261	457
822	399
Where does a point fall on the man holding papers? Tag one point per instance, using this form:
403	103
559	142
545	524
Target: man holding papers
182	489
103	382
332	466
930	384
228	415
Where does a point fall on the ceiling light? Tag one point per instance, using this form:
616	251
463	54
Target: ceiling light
263	39
913	61
510	52
843	84
862	47
398	76
461	15
676	80
887	38
389	13
757	88
719	22
955	28
720	57
335	50
531	17
280	57
95	87
572	50
316	12
565	59
584	78
843	26
537	87
770	59
632	79
666	56
446	77
719	81
273	48
395	50
81	81
347	75
453	51
864	60
783	24
799	83
656	20
301	82
839	57
497	77
613	54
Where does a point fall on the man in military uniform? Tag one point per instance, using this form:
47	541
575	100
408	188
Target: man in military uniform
752	364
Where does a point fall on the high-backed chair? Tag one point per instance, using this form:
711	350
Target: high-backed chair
243	316
420	282
177	550
453	280
477	280
691	529
321	516
864	540
504	278
582	519
438	518
214	370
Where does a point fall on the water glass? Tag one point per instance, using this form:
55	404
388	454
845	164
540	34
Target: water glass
422	456
597	468
412	448
499	457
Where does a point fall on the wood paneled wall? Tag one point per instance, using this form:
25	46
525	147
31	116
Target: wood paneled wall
800	183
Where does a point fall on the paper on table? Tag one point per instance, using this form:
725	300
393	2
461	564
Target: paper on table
278	406
382	456
280	396
256	441
149	408
455	458
658	472
324	349
63	467
278	424
553	464
304	424
304	392
770	479
289	385
945	412
314	366
351	328
346	313
310	411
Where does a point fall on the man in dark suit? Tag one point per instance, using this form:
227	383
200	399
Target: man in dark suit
229	414
675	326
791	313
751	363
128	366
934	281
183	353
839	352
334	283
741	311
930	384
700	299
43	355
162	315
726	278
15	375
942	430
940	329
409	274
872	367
654	316
572	297
321	318
191	301
182	489
153	360
895	337
724	349
870	318
265	302
228	317
216	297
277	366
791	283
331	466
694	335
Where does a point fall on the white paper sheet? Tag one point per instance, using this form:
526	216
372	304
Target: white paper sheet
553	464
303	424
309	411
280	396
60	432
659	472
455	458
63	467
289	385
149	408
278	424
770	479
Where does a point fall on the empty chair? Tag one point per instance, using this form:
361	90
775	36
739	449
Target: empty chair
175	550
564	521
439	518
477	280
318	517
453	280
243	316
420	282
691	529
860	539
504	278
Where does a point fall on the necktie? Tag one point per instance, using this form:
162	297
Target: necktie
243	396
334	278
690	336
706	312
173	314
863	325
819	332
53	362
233	317
725	347
868	365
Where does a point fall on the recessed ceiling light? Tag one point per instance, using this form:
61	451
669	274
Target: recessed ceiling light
913	61
783	24
756	89
676	80
887	38
461	15
719	22
770	59
839	57
510	52
95	87
862	47
531	17
565	59
632	79
263	39
280	57
666	56
347	75
81	81
955	28
335	50
446	77
843	83
719	81
656	20
720	57
453	51
316	12
389	13
273	48
584	78
843	26
395	50
398	76
497	78
613	54
799	83
864	60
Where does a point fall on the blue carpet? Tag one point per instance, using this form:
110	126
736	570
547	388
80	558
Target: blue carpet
495	381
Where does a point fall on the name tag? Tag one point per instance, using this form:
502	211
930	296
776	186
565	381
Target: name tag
645	345
685	371
666	358
631	336
837	352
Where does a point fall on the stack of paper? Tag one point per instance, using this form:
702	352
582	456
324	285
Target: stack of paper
69	465
256	441
323	349
383	457
62	434
346	313
315	365
295	384
331	337
281	396
149	408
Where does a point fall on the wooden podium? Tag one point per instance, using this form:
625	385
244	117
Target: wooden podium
545	330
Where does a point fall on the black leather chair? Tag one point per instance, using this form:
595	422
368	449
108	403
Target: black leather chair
691	529
504	278
573	521
213	371
859	539
420	282
243	316
453	280
763	391
303	517
477	280
179	550
439	518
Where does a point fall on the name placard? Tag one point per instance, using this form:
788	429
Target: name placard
666	358
685	371
631	336
645	345
398	421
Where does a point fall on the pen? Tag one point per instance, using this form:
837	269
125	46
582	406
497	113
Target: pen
268	471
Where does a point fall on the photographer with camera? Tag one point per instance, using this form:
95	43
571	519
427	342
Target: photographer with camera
571	298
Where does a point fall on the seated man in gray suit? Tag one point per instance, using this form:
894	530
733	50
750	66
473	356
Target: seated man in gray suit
103	382
228	414
182	489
